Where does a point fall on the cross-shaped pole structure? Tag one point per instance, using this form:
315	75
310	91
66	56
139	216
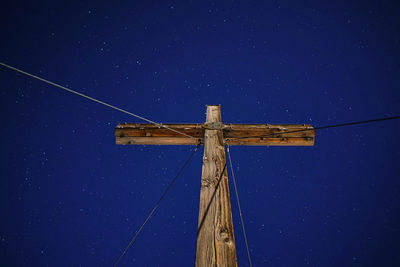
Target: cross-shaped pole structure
215	239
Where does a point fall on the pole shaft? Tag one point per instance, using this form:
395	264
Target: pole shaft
215	239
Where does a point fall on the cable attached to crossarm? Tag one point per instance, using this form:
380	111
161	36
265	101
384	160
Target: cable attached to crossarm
323	127
91	98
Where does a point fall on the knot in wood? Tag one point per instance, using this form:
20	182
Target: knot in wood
225	236
208	182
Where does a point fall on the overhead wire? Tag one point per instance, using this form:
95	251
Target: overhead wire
93	99
156	205
179	132
240	209
323	127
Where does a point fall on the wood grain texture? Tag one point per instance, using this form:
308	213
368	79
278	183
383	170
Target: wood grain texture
215	239
156	141
283	141
269	134
150	134
233	134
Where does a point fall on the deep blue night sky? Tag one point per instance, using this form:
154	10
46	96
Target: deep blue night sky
71	197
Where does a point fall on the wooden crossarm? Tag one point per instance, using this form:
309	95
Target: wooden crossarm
269	134
234	134
150	134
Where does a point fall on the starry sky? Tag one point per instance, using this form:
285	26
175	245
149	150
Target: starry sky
71	197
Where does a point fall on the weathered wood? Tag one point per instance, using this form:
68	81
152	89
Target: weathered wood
146	129
234	134
215	238
150	134
269	134
156	141
284	141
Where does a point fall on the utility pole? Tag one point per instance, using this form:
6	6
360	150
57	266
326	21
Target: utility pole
215	239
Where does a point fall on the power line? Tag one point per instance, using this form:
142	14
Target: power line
156	205
357	122
91	98
324	127
240	209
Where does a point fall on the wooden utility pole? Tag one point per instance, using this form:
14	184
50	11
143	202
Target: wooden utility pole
215	239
